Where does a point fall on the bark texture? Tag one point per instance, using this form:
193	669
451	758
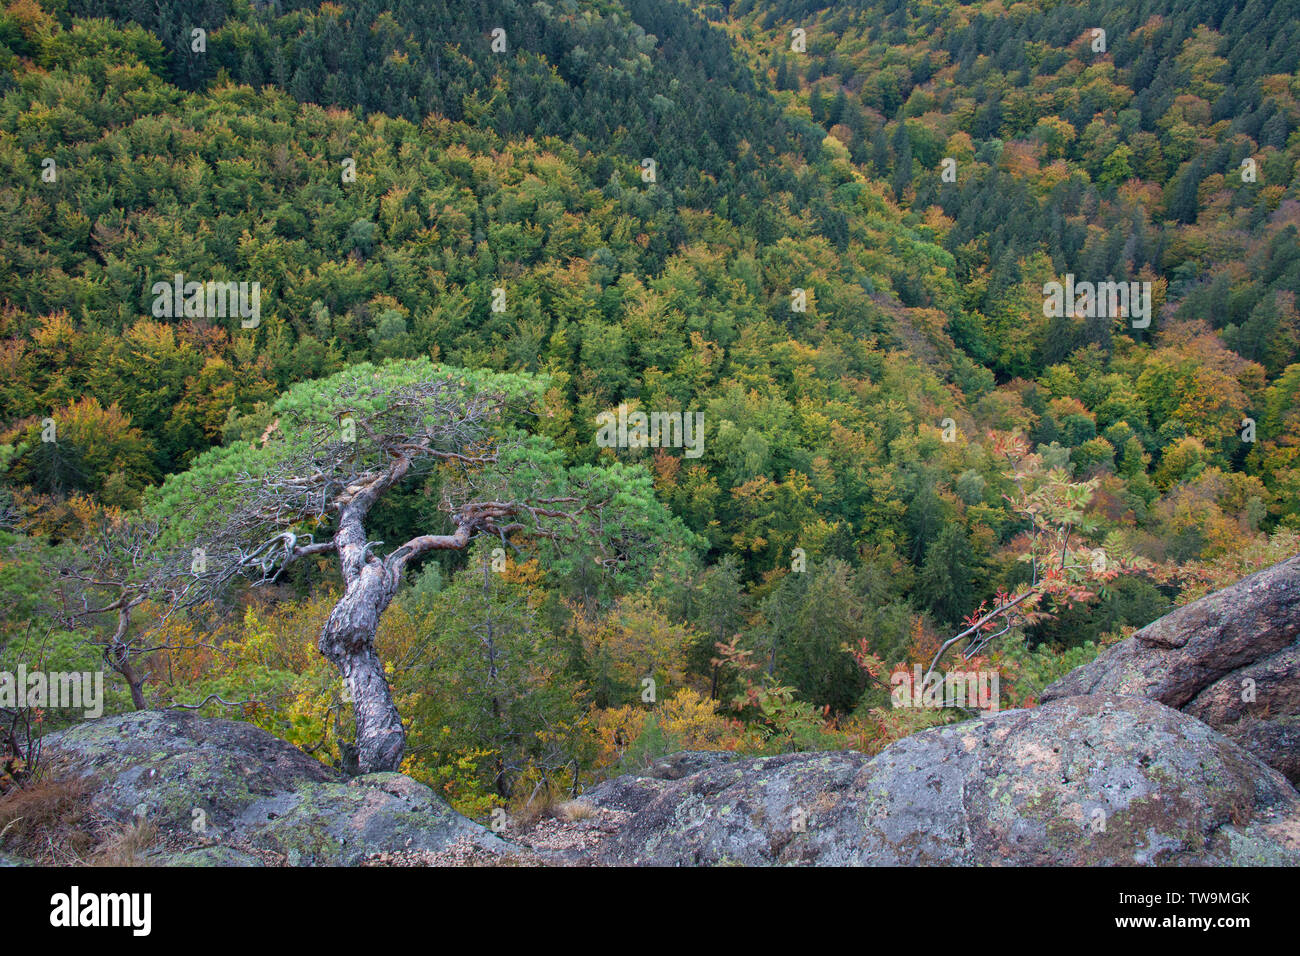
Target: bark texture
348	640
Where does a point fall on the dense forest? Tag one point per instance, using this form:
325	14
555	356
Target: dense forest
822	231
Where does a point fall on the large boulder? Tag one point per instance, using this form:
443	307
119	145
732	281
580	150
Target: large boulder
1231	659
220	792
1089	780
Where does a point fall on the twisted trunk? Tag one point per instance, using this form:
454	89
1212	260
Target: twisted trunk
348	638
118	654
370	583
348	641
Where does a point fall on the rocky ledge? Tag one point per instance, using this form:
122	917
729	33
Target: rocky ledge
1101	779
1095	780
1231	659
1157	753
220	792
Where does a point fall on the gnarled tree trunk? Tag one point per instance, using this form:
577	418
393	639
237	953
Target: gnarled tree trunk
348	641
118	653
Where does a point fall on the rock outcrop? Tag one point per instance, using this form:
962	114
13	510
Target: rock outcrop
1231	659
1107	780
1103	779
224	793
1120	765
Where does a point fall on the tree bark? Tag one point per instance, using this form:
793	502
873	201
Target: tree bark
136	683
348	641
117	654
348	638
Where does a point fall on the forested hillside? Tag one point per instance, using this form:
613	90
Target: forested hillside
822	231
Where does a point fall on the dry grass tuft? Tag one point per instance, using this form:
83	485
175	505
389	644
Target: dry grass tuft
48	820
51	821
127	846
576	810
543	802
